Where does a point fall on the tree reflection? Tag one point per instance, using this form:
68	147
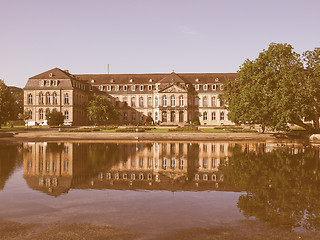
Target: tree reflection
9	158
282	186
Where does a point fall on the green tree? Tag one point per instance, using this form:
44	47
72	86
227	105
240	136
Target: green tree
273	90
6	101
55	118
101	110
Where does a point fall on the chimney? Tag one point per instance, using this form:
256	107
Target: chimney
67	71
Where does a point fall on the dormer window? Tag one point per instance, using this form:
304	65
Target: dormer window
112	81
150	80
141	87
217	79
50	75
55	83
101	87
92	81
131	80
49	83
197	79
197	87
214	87
109	88
150	87
117	87
125	88
221	87
157	86
41	83
205	87
133	87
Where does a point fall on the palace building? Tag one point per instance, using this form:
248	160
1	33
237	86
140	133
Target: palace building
174	98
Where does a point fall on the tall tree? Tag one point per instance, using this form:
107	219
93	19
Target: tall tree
272	90
55	118
101	110
6	102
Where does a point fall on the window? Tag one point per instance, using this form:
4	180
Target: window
40	114
125	101
125	88
164	116
125	116
205	87
172	116
41	100
66	115
117	87
101	87
149	102
47	98
214	101
205	101
66	98
164	101
141	87
41	83
213	116
157	86
30	99
173	101
181	101
181	163
150	87
222	116
55	99
133	102
205	116
156	101
197	87
196	101
133	87
156	116
133	116
29	114
221	87
109	88
49	83
141	102
214	87
141	117
55	83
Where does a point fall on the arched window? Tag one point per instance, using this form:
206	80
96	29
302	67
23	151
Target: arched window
196	101
213	116
133	102
164	101
214	101
173	116
149	102
141	102
181	101
47	98
29	114
55	99
156	101
41	114
41	100
47	112
205	101
181	118
205	116
221	116
173	101
164	116
66	98
30	99
66	115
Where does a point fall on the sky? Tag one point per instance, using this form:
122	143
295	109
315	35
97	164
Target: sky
147	36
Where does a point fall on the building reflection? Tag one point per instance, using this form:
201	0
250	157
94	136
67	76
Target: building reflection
54	168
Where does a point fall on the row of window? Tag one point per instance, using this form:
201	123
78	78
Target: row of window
46	99
172	100
48	83
42	114
197	87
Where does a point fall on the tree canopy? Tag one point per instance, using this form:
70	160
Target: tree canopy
55	118
278	88
6	102
101	110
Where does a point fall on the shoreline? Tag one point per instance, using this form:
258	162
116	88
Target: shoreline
50	135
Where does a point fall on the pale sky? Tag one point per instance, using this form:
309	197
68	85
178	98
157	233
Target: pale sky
147	36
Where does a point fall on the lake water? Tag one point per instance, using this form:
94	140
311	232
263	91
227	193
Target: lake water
161	186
